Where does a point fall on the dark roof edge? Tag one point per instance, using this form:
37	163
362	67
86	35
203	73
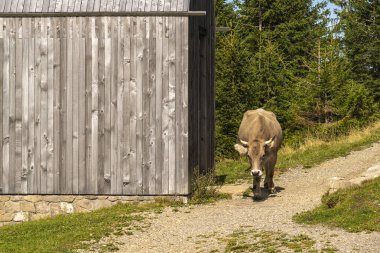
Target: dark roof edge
103	14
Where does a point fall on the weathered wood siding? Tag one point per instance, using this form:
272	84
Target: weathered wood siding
94	105
202	87
67	6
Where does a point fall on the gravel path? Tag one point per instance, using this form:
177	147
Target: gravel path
192	229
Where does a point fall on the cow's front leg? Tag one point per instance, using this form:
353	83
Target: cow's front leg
268	183
256	188
269	173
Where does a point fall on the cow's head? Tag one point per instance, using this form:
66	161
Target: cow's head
256	152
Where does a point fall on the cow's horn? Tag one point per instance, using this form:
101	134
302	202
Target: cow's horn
269	142
244	143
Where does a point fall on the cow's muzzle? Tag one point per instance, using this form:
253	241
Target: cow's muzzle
256	173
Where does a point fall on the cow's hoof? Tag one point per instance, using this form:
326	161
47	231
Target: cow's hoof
257	197
272	190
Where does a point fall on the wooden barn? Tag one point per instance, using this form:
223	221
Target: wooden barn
105	97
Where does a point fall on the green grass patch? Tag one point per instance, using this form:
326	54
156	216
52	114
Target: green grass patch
205	189
67	233
353	209
250	240
311	153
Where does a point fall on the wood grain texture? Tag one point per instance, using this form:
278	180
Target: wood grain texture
132	110
103	104
1	105
165	107
91	5
5	110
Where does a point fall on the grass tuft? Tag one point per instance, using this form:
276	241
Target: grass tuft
250	240
354	209
205	189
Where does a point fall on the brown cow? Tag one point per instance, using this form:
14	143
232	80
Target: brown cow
260	138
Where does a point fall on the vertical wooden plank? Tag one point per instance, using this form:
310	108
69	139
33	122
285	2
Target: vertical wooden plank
178	103
167	5
45	5
1	101
69	107
185	179
63	106
31	105
126	176
148	6
154	5
56	113
32	6
132	109
97	4
109	5
20	5
165	107
146	107
50	112
173	5
135	5
119	105
107	107
82	110
13	6
158	105
44	105
152	110
116	6
85	5
94	109
25	105
88	104
37	115
17	110
71	6
75	99
128	6
77	5
27	5
171	105
101	97
39	5
141	5
103	5
114	88
6	110
52	5
7	6
58	6
123	4
9	90
139	102
2	5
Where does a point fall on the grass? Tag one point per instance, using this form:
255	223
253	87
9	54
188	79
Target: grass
354	209
312	152
205	189
250	240
67	233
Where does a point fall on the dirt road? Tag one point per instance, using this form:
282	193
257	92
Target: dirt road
197	229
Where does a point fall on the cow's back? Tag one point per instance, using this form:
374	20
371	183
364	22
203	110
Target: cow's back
260	125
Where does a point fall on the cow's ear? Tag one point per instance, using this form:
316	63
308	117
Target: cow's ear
241	149
270	143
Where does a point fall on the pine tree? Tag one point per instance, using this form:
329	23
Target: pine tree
360	20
